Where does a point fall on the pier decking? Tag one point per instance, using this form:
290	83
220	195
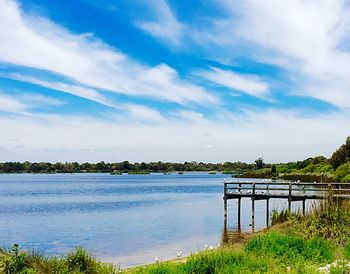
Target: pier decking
291	191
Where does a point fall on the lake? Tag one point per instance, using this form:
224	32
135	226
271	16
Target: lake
125	219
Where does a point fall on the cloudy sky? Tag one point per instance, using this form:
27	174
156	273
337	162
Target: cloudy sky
215	80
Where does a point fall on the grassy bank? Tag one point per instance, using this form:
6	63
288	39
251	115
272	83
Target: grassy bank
80	261
294	244
316	243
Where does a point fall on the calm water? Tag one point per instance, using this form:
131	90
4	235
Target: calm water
126	219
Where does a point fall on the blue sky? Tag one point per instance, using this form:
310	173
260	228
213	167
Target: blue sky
214	80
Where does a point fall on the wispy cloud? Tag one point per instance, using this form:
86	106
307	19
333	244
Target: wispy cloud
164	26
249	84
140	113
78	91
39	43
9	104
23	104
242	137
306	39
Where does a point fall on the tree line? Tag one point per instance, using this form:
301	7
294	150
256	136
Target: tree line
337	167
125	166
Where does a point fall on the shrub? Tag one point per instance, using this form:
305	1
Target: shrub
342	171
346	179
16	262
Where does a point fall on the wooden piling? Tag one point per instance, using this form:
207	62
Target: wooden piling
239	214
267	212
225	207
253	208
239	209
290	197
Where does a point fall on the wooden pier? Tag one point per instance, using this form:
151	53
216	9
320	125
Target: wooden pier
291	191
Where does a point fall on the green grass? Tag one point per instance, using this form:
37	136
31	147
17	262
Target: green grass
268	253
224	260
77	262
292	249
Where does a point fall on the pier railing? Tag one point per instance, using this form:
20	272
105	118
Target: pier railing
291	191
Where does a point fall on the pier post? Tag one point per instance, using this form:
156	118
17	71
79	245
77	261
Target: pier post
267	211
330	193
304	206
225	207
290	197
253	208
267	205
239	209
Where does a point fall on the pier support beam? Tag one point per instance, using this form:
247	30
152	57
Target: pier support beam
304	206
290	197
267	212
225	213
253	208
239	214
225	207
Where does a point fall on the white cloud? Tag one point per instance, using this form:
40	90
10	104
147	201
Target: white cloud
249	84
308	39
36	42
165	26
140	113
274	135
36	100
190	116
9	104
78	91
24	103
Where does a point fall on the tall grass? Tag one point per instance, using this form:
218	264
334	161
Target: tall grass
77	262
282	216
329	220
224	260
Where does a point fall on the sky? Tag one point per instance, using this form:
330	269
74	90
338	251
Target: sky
173	80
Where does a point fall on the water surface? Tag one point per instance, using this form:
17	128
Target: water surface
126	219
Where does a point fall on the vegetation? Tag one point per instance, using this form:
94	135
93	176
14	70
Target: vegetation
297	244
78	262
123	167
319	168
329	221
300	244
313	169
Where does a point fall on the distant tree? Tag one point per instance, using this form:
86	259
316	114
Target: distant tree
126	165
259	163
273	169
341	155
319	159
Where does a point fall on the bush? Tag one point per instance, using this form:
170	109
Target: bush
342	171
15	262
346	179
